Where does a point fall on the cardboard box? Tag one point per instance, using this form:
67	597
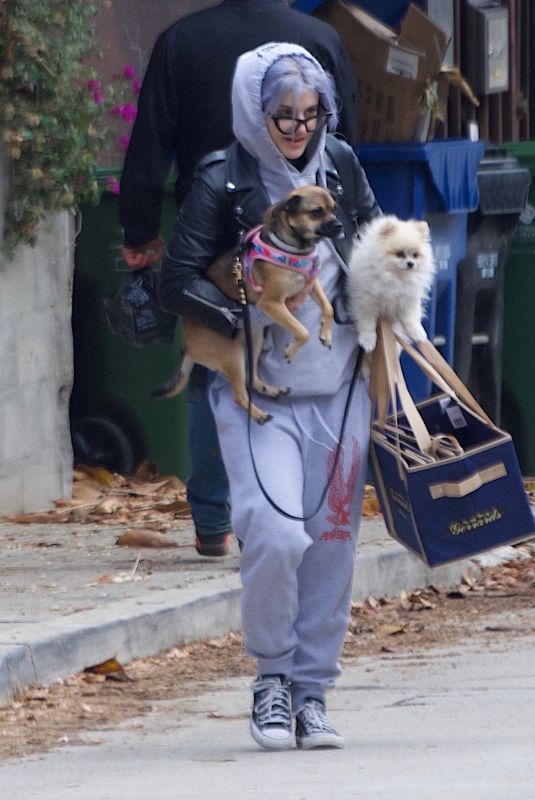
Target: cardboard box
397	72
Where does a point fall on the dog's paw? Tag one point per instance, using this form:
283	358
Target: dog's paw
327	341
272	391
289	353
415	332
368	341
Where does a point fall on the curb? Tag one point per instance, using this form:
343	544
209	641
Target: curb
397	570
174	617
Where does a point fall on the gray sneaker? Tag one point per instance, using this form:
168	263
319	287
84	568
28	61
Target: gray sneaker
313	728
271	722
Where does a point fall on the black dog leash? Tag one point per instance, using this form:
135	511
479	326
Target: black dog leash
250	371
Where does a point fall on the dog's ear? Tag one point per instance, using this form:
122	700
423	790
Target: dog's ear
388	227
423	228
272	212
289	206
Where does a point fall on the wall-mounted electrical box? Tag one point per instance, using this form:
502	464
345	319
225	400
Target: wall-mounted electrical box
487	67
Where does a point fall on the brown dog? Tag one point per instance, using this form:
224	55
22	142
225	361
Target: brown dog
292	226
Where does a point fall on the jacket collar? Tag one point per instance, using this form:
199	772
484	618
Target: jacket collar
241	169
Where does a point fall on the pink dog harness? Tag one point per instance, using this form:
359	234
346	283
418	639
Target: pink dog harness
307	264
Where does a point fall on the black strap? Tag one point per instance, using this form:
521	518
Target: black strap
250	373
343	163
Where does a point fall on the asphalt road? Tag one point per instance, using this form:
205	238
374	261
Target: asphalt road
439	725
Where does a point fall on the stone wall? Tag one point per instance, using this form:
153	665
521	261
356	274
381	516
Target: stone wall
36	369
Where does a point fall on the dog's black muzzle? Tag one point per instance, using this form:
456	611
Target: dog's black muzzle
331	229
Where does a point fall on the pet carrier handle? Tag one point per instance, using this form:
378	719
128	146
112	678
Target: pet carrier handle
445	440
388	383
384	367
388	354
469	484
388	373
433	364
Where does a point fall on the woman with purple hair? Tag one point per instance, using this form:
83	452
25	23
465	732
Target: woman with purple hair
296	569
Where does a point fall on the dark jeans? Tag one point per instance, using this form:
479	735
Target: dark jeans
208	489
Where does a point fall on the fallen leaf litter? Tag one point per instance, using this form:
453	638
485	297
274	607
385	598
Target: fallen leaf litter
496	605
104	695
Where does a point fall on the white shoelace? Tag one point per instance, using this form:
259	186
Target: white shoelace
314	719
272	705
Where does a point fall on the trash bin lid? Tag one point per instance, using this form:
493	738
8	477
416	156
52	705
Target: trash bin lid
450	166
503	183
524	152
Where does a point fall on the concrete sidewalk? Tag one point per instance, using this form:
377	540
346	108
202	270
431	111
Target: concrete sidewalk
69	597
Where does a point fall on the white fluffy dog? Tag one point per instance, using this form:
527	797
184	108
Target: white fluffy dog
391	274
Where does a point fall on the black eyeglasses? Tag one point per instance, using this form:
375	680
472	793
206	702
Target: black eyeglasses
290	125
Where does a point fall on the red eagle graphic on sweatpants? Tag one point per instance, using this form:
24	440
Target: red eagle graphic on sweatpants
340	494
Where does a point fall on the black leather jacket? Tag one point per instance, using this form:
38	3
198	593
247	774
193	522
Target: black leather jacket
227	198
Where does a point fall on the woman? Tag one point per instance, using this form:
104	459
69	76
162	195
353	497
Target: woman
296	575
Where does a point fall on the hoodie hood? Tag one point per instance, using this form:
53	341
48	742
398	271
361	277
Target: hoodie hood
249	122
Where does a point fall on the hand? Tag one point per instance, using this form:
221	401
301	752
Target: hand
145	254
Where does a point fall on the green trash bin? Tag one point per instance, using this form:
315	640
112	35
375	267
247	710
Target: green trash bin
114	421
518	382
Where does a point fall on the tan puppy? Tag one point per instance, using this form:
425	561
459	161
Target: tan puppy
292	226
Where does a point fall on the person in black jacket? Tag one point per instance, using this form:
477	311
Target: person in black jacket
183	114
296	482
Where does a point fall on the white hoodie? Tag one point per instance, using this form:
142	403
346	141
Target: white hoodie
315	370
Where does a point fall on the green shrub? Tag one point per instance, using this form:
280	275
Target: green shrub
51	120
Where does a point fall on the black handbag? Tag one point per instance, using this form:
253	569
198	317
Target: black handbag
133	311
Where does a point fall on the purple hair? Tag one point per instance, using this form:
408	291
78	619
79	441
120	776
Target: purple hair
297	74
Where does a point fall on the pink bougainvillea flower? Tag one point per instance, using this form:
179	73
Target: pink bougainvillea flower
98	97
116	111
113	184
123	142
136	87
93	85
129	71
129	112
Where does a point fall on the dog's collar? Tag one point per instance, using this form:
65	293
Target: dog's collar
255	249
287	248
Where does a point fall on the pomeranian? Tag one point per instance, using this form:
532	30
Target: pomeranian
392	270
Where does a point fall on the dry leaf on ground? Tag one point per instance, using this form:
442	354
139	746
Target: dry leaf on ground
392	629
39	517
99	474
178	507
86	490
100	497
109	506
144	538
111	669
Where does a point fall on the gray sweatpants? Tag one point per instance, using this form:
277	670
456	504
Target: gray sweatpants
296	576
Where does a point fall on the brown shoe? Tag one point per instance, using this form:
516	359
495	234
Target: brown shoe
214	545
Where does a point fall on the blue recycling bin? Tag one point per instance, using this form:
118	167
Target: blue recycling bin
306	5
435	181
389	11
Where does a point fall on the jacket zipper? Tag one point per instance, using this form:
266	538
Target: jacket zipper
229	315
